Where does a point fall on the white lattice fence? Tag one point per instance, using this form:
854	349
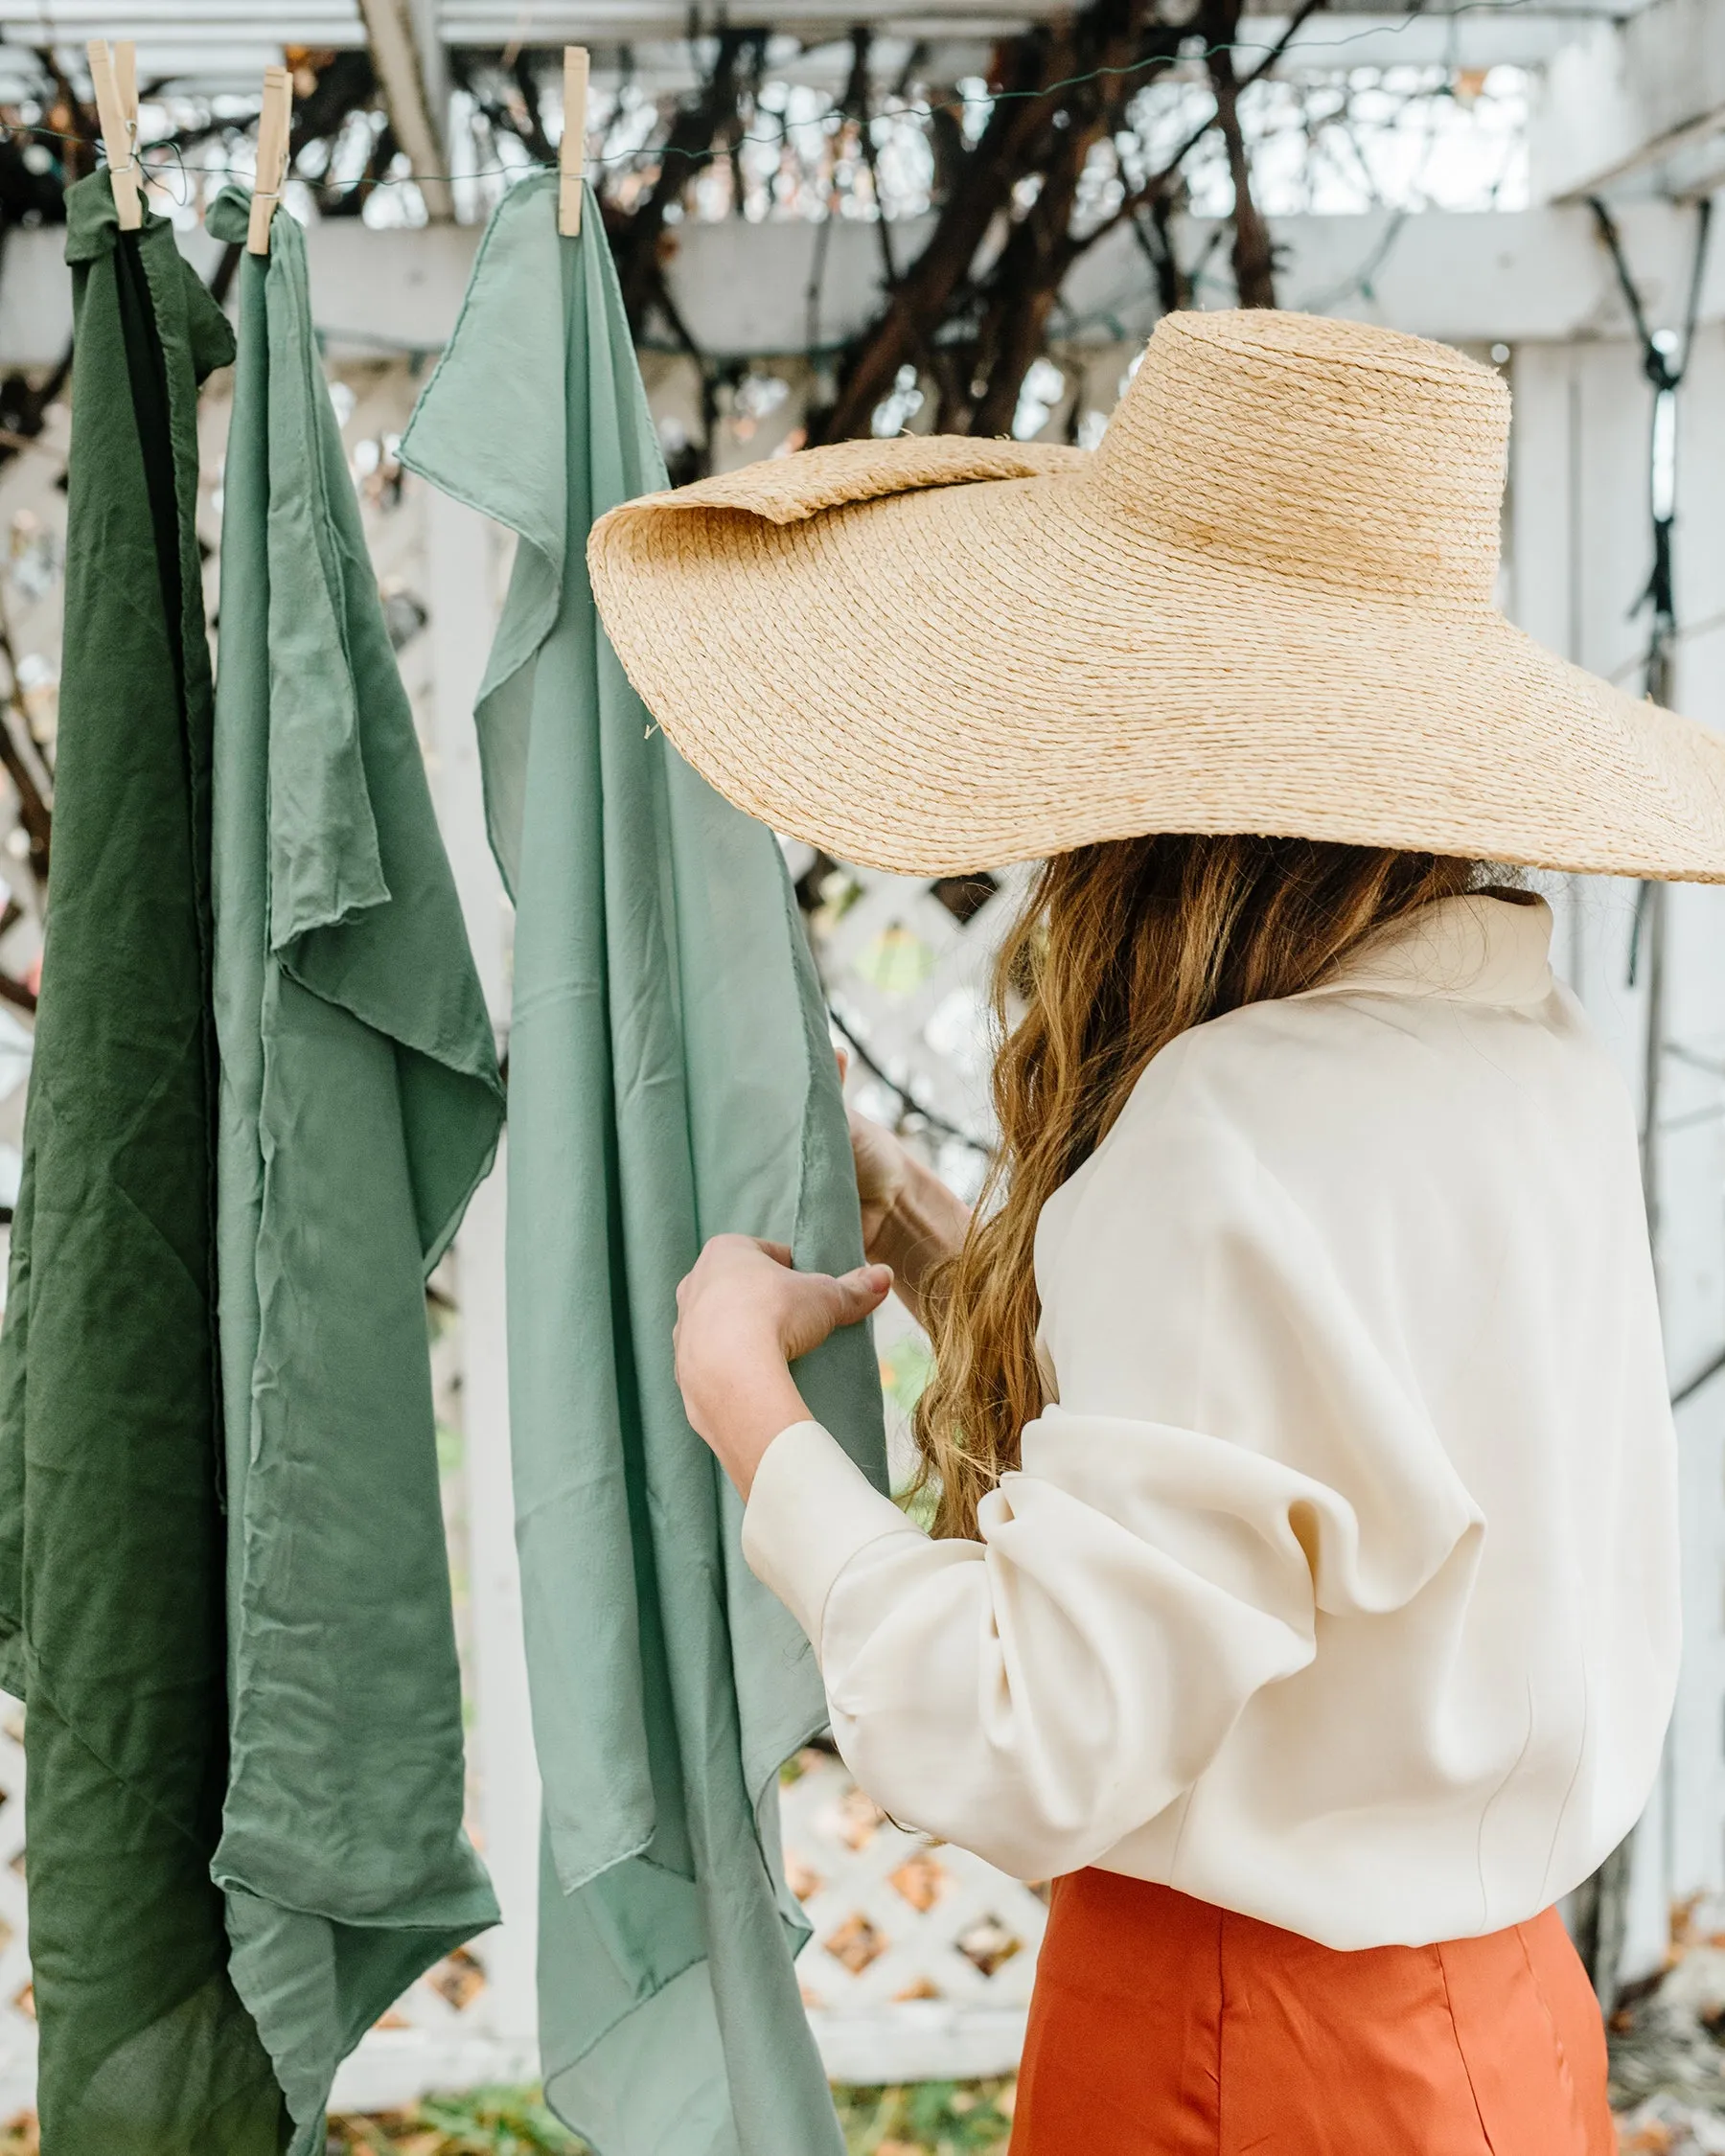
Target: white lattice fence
442	2035
906	961
922	1956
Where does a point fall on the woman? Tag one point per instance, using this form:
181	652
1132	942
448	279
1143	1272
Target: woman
1302	1598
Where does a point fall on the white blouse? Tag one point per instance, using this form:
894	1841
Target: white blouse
1339	1584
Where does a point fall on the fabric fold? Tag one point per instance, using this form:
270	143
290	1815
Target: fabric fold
670	1076
360	1107
110	1527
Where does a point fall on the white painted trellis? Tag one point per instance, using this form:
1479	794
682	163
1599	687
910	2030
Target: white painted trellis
962	1960
906	960
922	1956
920	1960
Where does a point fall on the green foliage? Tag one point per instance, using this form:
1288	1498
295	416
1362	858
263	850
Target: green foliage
906	1369
485	2123
928	2119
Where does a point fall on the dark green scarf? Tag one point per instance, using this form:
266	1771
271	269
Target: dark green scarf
111	1542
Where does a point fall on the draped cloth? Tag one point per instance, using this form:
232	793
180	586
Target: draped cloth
359	1107
670	1077
110	1524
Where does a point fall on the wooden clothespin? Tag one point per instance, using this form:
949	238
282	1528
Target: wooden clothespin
274	120
114	75
572	155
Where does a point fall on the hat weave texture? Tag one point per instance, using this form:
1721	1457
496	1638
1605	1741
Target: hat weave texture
1263	604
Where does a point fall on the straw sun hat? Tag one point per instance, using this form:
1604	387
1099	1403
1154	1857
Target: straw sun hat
1263	604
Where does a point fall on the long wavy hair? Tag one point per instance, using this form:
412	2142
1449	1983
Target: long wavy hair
1116	950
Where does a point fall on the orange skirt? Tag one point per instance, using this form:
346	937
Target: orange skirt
1161	2027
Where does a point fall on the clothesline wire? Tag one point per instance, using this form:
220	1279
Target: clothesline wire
931	1117
1703	1376
957	103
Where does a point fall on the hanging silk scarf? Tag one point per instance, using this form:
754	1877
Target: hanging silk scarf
360	1105
670	1077
111	1528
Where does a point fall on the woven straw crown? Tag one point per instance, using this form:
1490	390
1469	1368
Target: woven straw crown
1262	605
1374	477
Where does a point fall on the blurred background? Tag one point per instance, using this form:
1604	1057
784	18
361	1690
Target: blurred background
966	217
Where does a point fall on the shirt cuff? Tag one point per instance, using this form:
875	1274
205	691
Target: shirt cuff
809	1510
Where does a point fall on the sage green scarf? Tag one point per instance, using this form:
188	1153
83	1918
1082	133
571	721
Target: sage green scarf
670	1077
360	1105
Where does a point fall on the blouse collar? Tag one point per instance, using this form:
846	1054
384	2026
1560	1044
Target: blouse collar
1475	949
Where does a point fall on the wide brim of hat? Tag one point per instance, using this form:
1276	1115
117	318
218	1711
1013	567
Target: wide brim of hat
951	676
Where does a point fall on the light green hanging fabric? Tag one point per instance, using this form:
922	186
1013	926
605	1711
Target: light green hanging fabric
670	1077
359	1107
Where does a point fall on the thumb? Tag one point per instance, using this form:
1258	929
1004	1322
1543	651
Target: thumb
822	1304
859	1291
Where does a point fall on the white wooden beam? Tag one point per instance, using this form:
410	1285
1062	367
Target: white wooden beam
432	50
1469	278
1627	98
743	288
411	65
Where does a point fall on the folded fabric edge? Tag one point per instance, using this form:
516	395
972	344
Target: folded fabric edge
451	1227
15	1658
295	2077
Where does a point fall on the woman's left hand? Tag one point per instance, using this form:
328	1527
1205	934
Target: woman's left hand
743	1317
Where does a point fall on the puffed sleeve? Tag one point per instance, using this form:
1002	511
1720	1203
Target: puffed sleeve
1234	1451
